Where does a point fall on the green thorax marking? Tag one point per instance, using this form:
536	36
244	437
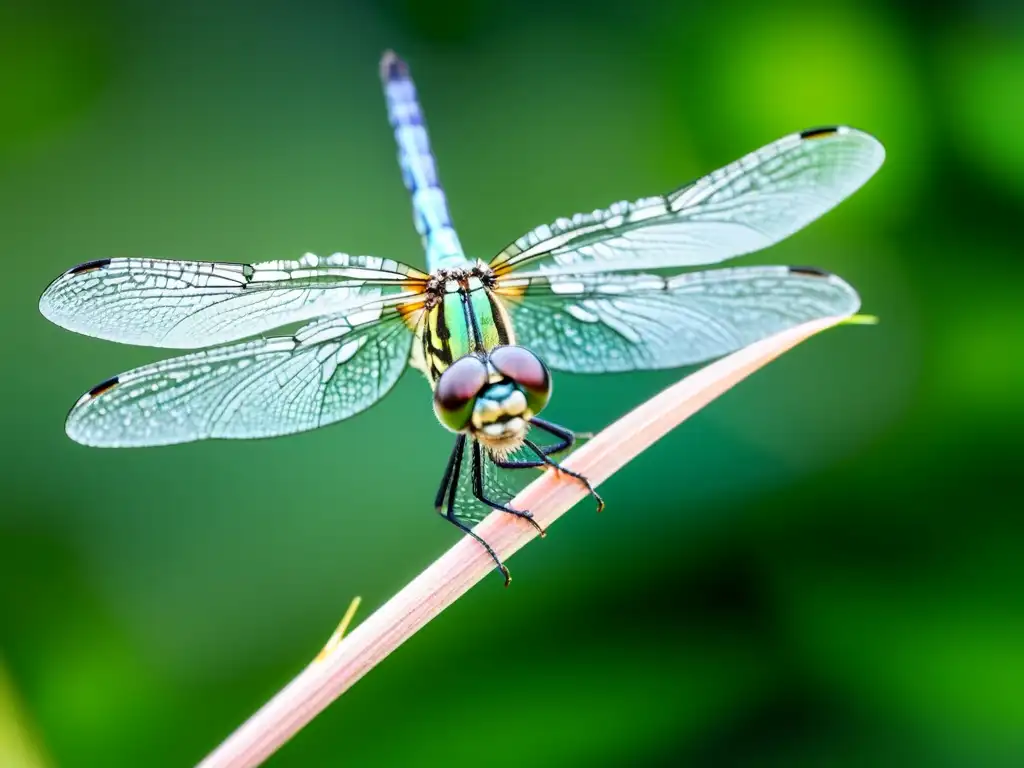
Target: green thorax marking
451	328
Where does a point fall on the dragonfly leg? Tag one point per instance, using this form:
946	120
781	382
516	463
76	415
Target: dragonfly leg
446	480
542	460
478	491
449	487
567	438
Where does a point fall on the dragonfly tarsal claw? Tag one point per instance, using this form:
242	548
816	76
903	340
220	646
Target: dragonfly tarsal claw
586	484
593	493
528	517
522	514
505	573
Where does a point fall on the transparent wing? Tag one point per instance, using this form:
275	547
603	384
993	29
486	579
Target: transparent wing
328	371
500	485
191	304
608	323
743	207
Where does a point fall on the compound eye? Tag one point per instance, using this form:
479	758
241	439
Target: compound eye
456	392
527	371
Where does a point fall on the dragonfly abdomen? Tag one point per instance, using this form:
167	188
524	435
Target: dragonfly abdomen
419	170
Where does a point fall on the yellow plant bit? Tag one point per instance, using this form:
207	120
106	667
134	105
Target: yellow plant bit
339	633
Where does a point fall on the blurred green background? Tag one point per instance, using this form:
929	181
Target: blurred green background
823	567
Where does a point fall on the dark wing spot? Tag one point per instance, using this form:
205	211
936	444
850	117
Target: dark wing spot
106	386
89	266
818	133
809	271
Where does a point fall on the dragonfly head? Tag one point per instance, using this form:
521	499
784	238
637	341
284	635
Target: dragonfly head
493	396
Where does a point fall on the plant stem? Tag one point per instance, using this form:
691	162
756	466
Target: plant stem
466	563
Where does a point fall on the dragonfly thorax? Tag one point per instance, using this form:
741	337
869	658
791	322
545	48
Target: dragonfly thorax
461	316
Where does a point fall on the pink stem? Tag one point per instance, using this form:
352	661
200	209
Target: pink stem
466	563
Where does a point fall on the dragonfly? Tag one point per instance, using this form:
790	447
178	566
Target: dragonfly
602	292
